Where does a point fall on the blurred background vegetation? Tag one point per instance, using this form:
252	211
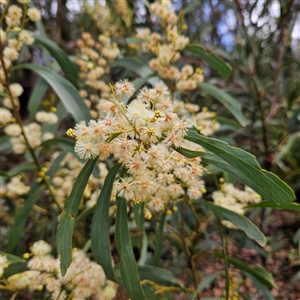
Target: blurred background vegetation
259	39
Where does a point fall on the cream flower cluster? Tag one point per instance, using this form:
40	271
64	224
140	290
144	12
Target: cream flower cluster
5	116
14	190
234	199
105	19
167	49
143	136
16	187
13	18
93	59
64	179
34	134
123	11
11	45
84	279
205	120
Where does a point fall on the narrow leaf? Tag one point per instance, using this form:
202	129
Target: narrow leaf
208	281
17	229
296	237
238	220
15	268
128	265
144	250
67	93
189	153
136	67
4	174
36	97
22	168
100	226
63	143
213	61
263	289
191	7
12	258
56	164
227	100
66	226
296	277
159	276
150	292
245	166
257	272
134	40
288	206
67	66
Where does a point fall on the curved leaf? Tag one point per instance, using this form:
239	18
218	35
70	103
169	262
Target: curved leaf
189	153
257	272
12	258
263	289
238	220
15	268
21	217
228	101
56	164
159	276
246	167
63	143
67	66
137	67
100	226
134	40
213	61
66	226
21	168
128	265
67	93
208	281
36	97
150	292
191	7
287	206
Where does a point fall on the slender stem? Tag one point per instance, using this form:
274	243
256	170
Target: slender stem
257	92
188	253
266	142
201	222
18	118
224	248
158	241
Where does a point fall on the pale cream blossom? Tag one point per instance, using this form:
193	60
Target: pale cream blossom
40	248
13	130
5	116
10	53
34	14
16	89
26	37
124	87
